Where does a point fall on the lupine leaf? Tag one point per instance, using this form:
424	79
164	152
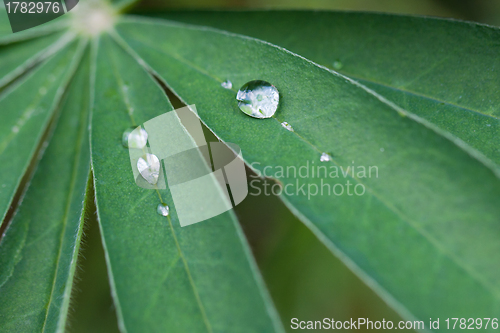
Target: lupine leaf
200	278
40	247
424	233
445	71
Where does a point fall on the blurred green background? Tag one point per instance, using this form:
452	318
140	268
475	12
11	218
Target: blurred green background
484	11
305	280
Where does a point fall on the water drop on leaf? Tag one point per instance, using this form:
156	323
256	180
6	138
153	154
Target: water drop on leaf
134	137
162	209
227	84
287	126
149	168
325	157
258	99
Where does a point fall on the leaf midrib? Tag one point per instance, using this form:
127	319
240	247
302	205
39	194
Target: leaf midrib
413	224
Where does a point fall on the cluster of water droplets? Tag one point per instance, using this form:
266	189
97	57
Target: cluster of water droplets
148	165
260	99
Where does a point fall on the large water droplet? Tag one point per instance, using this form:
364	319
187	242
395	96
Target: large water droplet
149	168
163	209
325	157
227	84
135	137
258	99
287	126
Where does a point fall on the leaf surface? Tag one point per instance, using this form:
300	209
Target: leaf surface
445	71
163	277
425	233
17	58
40	247
27	109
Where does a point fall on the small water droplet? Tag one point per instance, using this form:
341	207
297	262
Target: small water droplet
163	209
337	65
134	137
287	126
382	150
42	91
489	125
149	168
258	99
325	157
227	84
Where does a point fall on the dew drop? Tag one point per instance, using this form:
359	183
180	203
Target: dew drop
135	137
163	209
42	91
149	168
382	150
258	99
337	65
227	84
287	126
325	157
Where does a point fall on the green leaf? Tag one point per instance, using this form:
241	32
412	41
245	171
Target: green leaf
6	35
445	71
425	234
163	277
18	58
40	247
27	107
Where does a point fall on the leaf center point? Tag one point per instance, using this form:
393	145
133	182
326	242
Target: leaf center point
93	17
